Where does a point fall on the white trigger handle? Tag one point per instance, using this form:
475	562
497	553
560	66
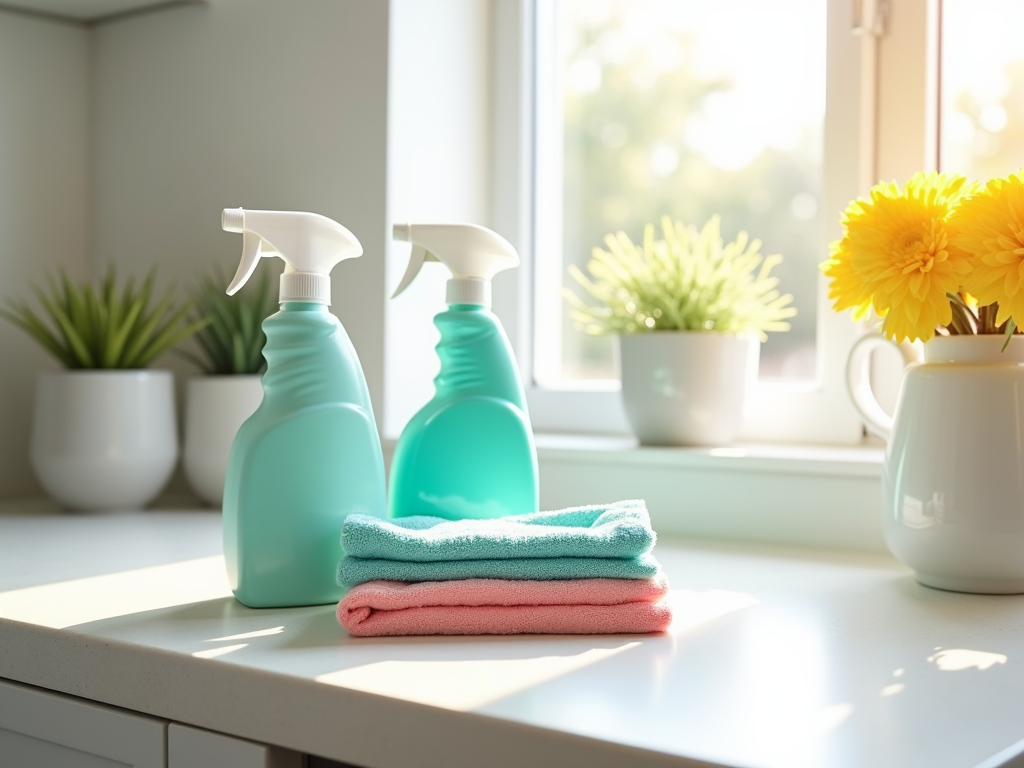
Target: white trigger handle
251	253
417	258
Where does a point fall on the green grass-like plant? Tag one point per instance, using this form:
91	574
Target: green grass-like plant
87	327
689	280
232	342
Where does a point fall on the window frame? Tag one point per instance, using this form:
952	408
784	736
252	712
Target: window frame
880	122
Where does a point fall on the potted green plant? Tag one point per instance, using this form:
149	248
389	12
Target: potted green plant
230	356
690	311
104	434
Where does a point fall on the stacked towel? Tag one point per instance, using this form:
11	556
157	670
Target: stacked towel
581	571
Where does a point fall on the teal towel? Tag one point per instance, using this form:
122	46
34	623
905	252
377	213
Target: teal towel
620	530
356	570
609	541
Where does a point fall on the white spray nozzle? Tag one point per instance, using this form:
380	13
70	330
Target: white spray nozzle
472	253
309	244
232	220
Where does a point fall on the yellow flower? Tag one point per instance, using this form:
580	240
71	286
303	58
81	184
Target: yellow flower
846	288
896	256
990	227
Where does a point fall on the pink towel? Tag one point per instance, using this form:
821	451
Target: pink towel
503	607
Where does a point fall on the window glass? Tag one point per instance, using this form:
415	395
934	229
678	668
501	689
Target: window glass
673	107
981	125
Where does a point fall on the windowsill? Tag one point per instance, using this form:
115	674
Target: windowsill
808	496
846	461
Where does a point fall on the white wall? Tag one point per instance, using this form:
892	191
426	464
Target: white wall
250	103
44	202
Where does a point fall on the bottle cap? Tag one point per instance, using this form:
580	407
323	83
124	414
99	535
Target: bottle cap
309	244
473	254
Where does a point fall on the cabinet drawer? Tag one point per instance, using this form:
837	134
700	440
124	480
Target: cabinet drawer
43	728
189	747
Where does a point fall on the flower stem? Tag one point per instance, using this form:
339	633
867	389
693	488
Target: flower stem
961	323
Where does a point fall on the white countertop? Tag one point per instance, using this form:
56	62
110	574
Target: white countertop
776	658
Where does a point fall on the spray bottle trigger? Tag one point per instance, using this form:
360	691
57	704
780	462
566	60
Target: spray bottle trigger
251	253
418	256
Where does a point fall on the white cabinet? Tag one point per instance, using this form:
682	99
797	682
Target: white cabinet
189	747
42	728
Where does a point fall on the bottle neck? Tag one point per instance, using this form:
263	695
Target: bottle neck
468	290
476	358
303	287
310	360
303	306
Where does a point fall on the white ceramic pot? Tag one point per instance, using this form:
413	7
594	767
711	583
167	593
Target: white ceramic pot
686	387
104	440
215	408
953	482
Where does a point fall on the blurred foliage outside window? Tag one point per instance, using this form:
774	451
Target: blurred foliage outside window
981	125
689	108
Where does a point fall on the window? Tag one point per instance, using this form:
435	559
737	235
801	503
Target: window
982	95
653	107
569	383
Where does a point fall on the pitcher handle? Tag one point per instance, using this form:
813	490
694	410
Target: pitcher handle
858	381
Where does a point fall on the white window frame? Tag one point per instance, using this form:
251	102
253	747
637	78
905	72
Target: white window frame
881	100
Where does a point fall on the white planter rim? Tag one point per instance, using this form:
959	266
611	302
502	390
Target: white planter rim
225	376
140	373
676	332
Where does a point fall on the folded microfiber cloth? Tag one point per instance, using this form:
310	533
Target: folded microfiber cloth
499	607
356	570
620	530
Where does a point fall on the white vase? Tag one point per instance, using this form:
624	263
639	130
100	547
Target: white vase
216	406
686	387
953	481
104	440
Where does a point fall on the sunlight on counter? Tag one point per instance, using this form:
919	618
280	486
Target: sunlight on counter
959	659
692	608
463	684
213	653
67	603
249	635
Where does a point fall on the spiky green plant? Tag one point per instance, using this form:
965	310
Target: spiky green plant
87	327
687	281
233	341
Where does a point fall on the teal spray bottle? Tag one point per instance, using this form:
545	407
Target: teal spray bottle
469	452
310	454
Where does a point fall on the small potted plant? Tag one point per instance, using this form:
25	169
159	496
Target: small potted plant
690	311
104	434
230	355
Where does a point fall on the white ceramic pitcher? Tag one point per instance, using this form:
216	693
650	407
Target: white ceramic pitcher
953	482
